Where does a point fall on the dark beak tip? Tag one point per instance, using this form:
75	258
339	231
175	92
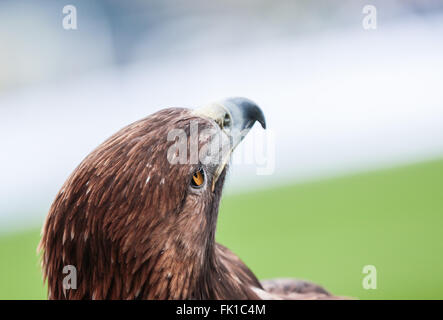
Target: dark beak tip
259	116
250	110
263	123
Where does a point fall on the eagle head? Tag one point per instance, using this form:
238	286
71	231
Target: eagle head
137	217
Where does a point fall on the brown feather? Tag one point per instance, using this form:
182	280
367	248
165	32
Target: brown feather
127	220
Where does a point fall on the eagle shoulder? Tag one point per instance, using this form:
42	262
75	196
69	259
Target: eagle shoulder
296	289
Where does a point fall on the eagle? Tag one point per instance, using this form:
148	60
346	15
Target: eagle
137	218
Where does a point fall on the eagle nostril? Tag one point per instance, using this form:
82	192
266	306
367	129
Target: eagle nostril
226	121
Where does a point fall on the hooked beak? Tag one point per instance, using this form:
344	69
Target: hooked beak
235	117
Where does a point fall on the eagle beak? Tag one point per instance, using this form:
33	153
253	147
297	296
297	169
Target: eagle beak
235	117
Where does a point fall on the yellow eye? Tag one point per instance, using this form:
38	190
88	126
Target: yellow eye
198	178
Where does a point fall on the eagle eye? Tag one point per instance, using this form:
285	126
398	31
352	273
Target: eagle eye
198	178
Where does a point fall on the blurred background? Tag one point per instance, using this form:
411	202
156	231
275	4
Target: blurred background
356	118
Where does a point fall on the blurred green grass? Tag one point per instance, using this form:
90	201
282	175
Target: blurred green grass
324	231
